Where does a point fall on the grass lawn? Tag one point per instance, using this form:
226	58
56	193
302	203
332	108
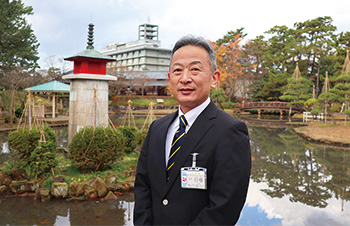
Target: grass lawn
328	133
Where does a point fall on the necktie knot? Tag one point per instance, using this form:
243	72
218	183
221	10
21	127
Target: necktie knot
183	122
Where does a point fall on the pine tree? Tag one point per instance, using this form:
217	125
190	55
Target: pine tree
341	90
297	90
18	44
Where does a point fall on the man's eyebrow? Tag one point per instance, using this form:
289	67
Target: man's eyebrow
191	63
176	64
196	62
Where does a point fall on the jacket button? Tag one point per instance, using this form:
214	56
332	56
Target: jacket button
165	202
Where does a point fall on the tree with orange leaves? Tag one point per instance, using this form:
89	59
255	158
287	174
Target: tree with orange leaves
228	53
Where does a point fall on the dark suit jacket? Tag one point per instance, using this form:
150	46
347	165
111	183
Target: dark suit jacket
222	142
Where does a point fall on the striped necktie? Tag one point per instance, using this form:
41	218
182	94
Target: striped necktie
176	144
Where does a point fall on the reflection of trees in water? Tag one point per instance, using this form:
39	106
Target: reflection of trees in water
102	213
26	211
291	166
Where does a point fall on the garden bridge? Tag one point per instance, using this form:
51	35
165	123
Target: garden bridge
268	106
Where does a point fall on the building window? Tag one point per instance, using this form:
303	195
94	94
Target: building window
164	53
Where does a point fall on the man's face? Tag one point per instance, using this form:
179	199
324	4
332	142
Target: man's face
191	77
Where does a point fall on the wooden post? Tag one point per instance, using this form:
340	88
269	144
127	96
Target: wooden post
54	105
30	110
281	114
95	107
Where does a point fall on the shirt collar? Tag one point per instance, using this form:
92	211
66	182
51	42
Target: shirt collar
192	115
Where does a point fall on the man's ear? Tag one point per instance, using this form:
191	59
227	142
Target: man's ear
215	80
169	75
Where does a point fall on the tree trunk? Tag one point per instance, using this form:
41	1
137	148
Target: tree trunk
318	77
333	119
11	106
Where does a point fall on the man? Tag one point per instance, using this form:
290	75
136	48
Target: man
205	180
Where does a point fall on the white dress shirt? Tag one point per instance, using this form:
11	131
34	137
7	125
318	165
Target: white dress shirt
190	116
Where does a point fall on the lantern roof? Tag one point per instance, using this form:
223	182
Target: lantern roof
90	52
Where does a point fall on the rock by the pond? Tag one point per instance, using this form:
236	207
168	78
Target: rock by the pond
19	174
131	183
121	187
99	185
19	187
91	193
3	188
58	179
110	196
5	179
59	190
110	180
42	194
77	189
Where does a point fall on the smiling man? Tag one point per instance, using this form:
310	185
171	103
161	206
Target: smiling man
194	166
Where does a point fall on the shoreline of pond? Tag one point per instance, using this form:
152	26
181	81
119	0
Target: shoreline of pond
329	134
316	132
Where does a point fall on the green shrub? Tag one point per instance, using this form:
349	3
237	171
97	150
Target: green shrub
130	135
19	112
140	137
43	158
23	142
96	149
10	119
228	105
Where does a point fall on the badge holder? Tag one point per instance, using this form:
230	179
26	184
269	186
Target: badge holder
194	177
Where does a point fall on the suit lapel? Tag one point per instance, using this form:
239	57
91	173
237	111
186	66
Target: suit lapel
199	128
160	156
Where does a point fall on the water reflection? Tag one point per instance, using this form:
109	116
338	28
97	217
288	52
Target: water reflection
293	182
290	170
26	211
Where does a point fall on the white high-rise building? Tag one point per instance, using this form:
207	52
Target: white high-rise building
143	54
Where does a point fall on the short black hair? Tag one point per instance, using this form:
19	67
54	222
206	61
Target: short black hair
190	40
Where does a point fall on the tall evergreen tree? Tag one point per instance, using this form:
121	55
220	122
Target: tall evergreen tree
297	92
18	44
255	71
314	38
341	90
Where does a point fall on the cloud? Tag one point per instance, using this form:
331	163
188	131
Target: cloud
61	26
296	213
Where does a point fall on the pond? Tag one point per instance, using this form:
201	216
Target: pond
293	182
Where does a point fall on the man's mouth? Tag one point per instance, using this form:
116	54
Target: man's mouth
186	91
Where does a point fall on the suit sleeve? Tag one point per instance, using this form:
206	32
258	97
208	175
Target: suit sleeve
230	178
142	191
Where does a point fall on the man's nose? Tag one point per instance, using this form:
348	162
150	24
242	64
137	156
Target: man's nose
186	76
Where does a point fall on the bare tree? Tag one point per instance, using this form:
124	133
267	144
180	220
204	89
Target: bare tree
57	67
116	86
14	81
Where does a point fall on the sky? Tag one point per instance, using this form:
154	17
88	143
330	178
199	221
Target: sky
61	25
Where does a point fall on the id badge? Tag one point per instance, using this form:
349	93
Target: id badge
194	177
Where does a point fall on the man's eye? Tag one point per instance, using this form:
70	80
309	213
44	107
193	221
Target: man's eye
195	70
177	71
